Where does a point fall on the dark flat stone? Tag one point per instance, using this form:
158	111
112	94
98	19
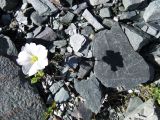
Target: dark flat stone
18	101
117	65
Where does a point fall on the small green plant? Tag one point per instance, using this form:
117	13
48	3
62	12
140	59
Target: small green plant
37	77
150	91
50	110
156	94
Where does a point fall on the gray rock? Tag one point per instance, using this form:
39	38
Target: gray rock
8	4
153	54
152	31
70	2
7	47
43	7
132	4
38	19
85	68
18	100
108	22
136	37
81	112
71	30
117	65
81	7
152	12
72	61
105	12
87	31
77	41
67	18
127	15
60	43
56	87
133	104
47	34
62	95
91	92
97	2
145	111
92	20
21	18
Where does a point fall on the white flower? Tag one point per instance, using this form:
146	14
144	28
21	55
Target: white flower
32	58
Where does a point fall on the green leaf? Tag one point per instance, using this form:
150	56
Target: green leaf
34	80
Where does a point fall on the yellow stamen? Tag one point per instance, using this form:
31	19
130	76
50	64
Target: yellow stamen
34	59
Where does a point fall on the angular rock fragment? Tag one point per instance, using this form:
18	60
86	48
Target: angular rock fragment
97	2
136	37
105	12
145	111
152	12
21	18
60	43
132	4
56	86
81	7
77	41
38	19
87	31
92	20
127	15
117	65
85	68
47	34
90	90
62	95
43	7
18	100
7	47
67	18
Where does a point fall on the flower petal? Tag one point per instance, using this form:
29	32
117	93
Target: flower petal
34	69
23	58
41	52
26	68
42	63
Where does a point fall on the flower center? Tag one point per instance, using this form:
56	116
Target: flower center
34	58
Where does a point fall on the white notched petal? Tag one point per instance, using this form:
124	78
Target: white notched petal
42	63
42	52
26	68
23	58
34	69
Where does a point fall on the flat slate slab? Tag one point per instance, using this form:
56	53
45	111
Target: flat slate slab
90	90
117	64
18	101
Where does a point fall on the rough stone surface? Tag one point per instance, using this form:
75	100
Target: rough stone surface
62	95
60	43
87	31
18	100
85	68
7	47
105	12
77	41
92	20
145	111
8	4
127	15
43	7
91	92
152	12
67	18
117	65
47	34
137	38
132	4
97	2
38	19
56	86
